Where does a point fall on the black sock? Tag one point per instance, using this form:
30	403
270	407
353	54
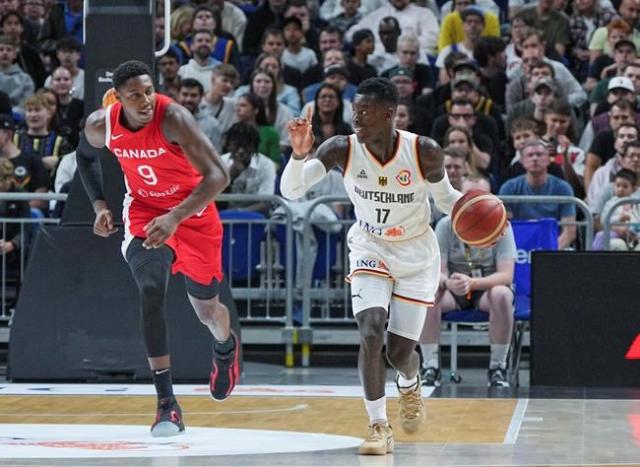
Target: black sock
224	348
162	382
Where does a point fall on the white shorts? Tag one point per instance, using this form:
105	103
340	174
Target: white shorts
400	276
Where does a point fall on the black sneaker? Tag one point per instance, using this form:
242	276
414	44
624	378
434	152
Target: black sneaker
168	419
430	376
498	378
225	371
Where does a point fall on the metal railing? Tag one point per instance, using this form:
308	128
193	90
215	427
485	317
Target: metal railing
328	302
606	220
10	285
267	294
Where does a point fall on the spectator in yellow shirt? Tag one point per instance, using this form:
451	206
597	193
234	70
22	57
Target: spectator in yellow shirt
451	30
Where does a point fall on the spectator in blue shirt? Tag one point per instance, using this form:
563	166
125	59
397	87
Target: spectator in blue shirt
538	182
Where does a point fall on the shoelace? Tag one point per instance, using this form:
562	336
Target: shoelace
376	432
411	403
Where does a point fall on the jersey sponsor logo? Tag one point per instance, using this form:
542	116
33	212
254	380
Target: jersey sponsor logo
372	229
160	194
394	232
370	264
382	181
115	137
384	197
139	153
362	175
404	177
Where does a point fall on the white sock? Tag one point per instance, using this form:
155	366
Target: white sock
407	383
377	410
430	353
499	354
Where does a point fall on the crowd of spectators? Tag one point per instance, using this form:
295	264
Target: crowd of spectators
539	97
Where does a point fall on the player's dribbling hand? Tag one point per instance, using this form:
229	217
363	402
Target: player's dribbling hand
301	135
103	225
159	230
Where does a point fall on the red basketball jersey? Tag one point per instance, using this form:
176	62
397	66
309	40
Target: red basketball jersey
159	176
156	171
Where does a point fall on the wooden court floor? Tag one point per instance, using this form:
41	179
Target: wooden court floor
317	428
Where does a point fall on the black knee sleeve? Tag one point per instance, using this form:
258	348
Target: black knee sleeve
151	270
201	291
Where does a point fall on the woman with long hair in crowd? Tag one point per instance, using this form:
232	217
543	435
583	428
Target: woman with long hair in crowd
263	84
327	116
250	109
287	94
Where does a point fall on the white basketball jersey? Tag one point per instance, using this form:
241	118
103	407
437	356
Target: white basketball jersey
391	199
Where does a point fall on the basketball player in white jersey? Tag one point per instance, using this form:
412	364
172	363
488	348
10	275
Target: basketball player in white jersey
394	257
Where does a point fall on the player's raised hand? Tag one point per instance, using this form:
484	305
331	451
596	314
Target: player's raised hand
301	135
103	225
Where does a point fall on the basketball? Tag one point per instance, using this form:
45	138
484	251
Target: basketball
479	218
109	98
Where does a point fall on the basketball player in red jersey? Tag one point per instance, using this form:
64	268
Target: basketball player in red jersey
172	173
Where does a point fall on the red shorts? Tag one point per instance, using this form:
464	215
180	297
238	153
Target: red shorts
197	243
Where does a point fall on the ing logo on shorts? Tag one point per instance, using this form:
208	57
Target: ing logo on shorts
404	177
371	264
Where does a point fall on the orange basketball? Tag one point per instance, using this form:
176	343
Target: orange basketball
479	218
109	98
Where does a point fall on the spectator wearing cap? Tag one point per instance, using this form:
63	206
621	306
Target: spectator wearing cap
402	79
337	76
490	55
628	11
472	26
483	129
29	173
468	86
300	9
553	24
69	52
603	147
411	18
362	45
620	87
533	51
13	81
624	53
452	31
408	52
295	54
542	90
617	30
457	64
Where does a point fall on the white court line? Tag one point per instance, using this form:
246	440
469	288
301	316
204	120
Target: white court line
516	422
295	408
191	390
